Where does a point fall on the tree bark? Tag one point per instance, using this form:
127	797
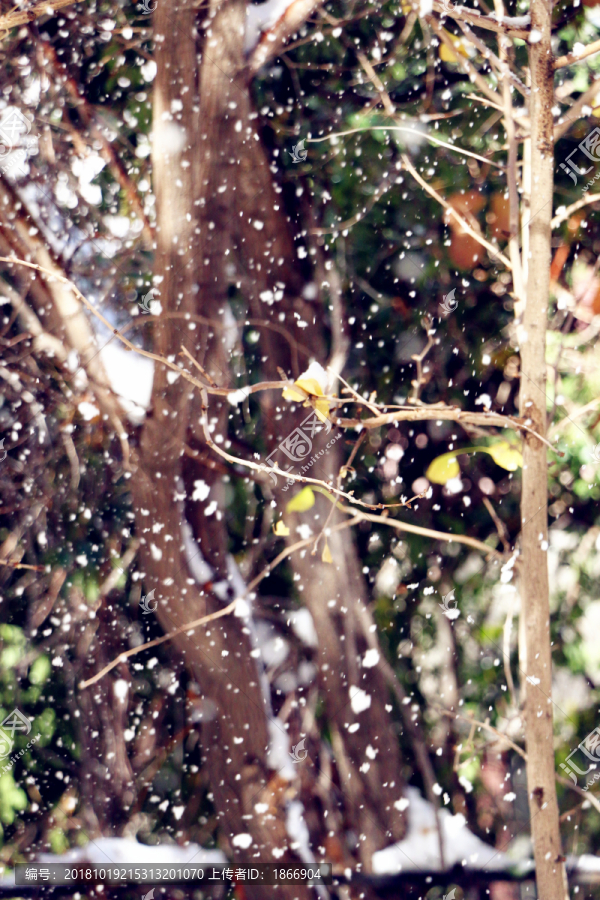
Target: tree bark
543	806
189	109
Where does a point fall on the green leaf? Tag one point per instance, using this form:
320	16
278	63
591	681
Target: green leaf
303	500
40	670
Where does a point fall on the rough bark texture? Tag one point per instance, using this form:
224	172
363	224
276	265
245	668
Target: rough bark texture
223	211
218	656
550	870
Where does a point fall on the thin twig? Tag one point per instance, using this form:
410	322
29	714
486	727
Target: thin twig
418	358
261	467
111	582
448	413
474	17
200	368
13	19
571	58
500	526
456	215
426	532
564	215
420	134
491	57
166	637
474	74
487	727
575	111
374	409
15	565
212	616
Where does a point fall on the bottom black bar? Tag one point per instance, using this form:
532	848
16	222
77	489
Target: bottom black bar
259	873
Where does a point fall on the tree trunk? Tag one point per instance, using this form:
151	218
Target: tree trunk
235	734
543	806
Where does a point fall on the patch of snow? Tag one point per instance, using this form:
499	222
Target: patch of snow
169	138
303	626
298	833
278	754
237	397
274	648
420	848
261	17
130	376
198	566
123	851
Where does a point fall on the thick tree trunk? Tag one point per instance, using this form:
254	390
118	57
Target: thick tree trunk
235	733
550	870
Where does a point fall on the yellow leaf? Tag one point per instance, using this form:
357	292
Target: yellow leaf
302	501
322	410
463	48
310	385
443	468
326	555
303	388
281	529
292	393
506	456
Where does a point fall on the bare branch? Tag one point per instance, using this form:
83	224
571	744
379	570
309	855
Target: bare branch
491	57
456	215
569	210
406	130
508	26
576	111
166	637
473	73
426	532
12	19
188	626
571	58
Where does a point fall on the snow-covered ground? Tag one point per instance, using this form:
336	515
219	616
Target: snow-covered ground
122	851
420	848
